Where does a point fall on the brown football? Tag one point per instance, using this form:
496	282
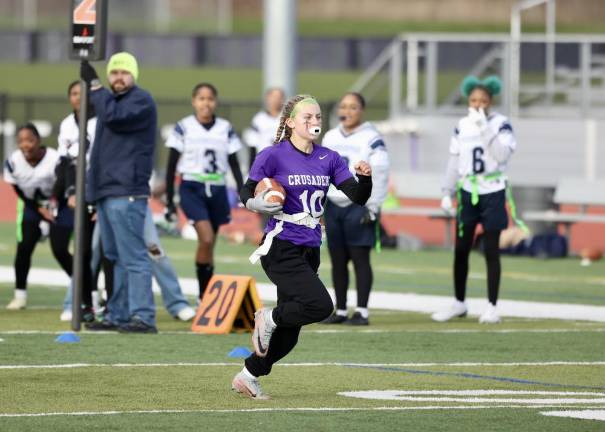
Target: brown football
591	253
276	191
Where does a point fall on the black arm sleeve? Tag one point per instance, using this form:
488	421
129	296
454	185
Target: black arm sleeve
236	170
32	204
247	191
360	192
252	155
173	158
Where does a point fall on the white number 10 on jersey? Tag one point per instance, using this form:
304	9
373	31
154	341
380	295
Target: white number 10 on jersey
311	205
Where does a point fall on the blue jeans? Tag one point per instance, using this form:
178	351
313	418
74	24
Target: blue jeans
164	273
121	221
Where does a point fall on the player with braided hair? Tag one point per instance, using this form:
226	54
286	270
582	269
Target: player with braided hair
289	252
480	149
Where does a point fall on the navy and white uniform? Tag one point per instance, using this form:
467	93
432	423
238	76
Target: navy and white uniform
478	160
35	182
343	217
262	130
203	165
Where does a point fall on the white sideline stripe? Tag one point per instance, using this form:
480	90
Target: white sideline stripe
321	364
327	331
379	300
584	414
261	410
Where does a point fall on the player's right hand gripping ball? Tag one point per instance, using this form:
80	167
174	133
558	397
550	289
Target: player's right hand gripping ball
276	193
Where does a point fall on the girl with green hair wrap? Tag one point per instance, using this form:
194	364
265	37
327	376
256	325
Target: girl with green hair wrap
480	148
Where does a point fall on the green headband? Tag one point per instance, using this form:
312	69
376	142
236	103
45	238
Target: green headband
492	84
308	100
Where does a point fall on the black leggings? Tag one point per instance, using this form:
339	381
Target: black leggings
301	299
464	245
360	255
30	234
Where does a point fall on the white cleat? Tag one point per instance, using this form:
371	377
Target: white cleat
186	314
66	315
490	316
16	304
263	329
456	310
249	387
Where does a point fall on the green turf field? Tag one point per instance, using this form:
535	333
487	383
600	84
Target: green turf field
176	380
307	27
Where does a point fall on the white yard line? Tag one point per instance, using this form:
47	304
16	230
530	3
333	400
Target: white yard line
318	364
584	414
263	410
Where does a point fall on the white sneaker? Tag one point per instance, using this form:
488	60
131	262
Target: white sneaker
66	315
490	316
186	314
16	304
263	329
249	387
457	309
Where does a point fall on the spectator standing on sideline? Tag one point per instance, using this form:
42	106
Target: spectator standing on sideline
118	182
263	127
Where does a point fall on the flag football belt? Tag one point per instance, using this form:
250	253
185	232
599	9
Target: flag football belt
302	218
211	179
474	181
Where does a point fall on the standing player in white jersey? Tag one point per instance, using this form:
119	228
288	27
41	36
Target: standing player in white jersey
352	229
263	127
480	149
205	147
31	171
289	253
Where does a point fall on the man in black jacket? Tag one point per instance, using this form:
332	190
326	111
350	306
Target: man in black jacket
118	182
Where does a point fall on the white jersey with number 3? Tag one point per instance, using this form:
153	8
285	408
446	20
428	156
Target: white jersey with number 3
203	151
475	156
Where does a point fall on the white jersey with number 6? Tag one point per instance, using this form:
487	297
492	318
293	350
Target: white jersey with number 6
478	157
203	151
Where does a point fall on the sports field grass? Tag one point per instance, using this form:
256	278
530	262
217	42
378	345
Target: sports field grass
459	376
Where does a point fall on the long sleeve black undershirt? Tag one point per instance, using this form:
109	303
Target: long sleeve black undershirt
236	170
173	158
31	203
358	192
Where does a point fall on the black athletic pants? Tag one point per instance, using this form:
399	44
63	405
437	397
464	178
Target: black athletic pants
302	299
30	234
360	255
464	245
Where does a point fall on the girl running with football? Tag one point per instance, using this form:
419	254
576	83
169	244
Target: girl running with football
289	253
480	148
204	146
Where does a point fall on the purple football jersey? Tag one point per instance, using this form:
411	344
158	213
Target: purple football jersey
306	179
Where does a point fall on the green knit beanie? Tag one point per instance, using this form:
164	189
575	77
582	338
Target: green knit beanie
123	61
